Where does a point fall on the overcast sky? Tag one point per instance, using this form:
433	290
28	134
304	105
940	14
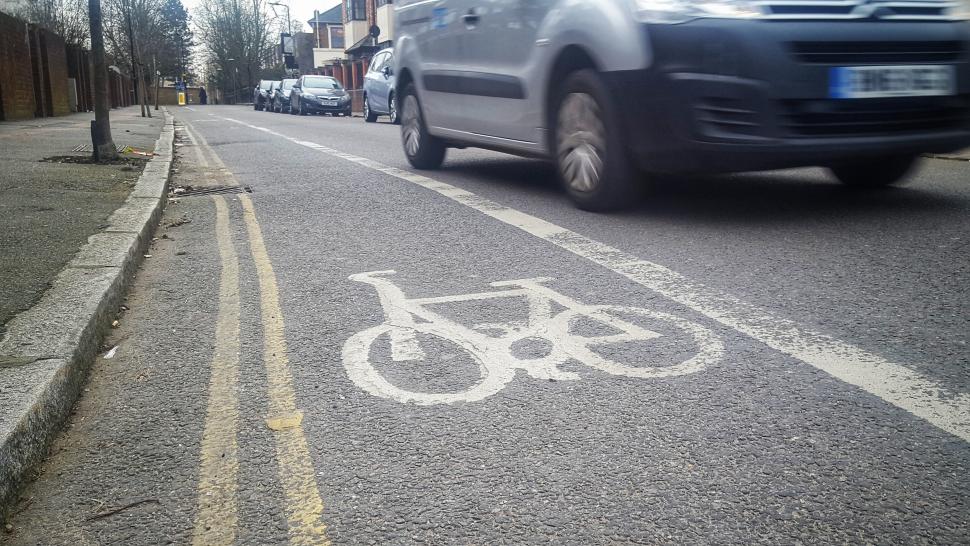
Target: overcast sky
299	9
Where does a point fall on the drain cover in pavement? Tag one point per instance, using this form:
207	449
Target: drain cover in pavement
88	148
190	191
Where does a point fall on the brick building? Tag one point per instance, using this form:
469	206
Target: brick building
40	76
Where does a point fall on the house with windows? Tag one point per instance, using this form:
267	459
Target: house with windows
360	16
327	31
357	18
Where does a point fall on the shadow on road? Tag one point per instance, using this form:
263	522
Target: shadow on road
773	197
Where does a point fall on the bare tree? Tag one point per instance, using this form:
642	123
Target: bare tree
68	18
238	37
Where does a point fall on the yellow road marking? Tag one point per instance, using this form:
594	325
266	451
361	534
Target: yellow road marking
216	520
304	507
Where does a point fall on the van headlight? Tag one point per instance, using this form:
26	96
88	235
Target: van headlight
680	11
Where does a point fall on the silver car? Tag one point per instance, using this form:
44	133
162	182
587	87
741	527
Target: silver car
379	91
613	89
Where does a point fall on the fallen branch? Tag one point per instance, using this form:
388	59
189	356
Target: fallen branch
108	513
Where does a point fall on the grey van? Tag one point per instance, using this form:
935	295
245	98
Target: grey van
612	89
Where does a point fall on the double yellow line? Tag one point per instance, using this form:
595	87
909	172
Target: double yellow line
217	517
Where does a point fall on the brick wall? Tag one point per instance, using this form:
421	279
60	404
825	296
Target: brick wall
16	80
56	65
169	96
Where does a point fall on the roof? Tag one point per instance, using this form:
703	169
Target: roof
367	44
333	16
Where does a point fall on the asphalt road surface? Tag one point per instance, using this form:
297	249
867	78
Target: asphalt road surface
352	352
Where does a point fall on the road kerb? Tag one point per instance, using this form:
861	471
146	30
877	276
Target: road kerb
47	350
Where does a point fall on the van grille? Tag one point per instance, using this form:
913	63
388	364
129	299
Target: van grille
914	10
845	53
721	116
821	118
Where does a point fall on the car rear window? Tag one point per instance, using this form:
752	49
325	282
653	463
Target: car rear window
265	84
287	84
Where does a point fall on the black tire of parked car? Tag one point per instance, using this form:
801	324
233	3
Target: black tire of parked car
392	106
430	152
256	105
369	115
619	182
875	172
299	108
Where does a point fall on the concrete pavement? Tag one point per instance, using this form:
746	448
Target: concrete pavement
50	204
45	351
261	377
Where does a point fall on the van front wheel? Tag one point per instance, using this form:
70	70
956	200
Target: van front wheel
423	150
593	163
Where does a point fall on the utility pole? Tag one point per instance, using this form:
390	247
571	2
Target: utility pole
101	142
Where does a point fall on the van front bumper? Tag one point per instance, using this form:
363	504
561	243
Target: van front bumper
724	95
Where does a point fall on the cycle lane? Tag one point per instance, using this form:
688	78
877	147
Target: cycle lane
755	443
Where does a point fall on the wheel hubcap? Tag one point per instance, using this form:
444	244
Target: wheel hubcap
581	139
393	109
366	108
411	123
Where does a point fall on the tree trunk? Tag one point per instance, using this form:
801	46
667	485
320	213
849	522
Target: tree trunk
155	75
104	146
135	71
143	83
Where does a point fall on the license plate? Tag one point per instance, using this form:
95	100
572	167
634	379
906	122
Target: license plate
865	82
330	103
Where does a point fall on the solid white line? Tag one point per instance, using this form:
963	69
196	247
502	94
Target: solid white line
900	386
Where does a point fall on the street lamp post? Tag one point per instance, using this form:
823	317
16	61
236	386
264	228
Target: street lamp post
289	27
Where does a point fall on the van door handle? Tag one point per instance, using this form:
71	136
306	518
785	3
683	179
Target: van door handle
471	18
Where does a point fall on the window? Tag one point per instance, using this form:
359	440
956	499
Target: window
377	64
337	37
356	10
320	82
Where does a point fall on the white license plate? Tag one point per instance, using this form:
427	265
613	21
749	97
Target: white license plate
329	103
865	82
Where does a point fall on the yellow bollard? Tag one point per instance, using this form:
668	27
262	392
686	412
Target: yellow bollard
181	98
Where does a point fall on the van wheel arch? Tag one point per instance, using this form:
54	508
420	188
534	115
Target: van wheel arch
572	58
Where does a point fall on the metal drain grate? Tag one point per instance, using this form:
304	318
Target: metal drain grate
210	190
89	148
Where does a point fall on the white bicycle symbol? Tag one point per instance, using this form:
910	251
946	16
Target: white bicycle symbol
494	355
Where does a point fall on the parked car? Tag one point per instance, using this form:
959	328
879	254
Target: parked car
261	94
319	95
268	106
609	89
281	98
379	97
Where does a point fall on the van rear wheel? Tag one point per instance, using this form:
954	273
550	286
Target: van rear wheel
423	150
875	172
593	162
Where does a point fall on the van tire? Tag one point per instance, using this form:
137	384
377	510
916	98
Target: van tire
591	157
874	172
423	150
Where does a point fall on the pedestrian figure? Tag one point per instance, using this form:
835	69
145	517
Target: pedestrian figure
203	97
